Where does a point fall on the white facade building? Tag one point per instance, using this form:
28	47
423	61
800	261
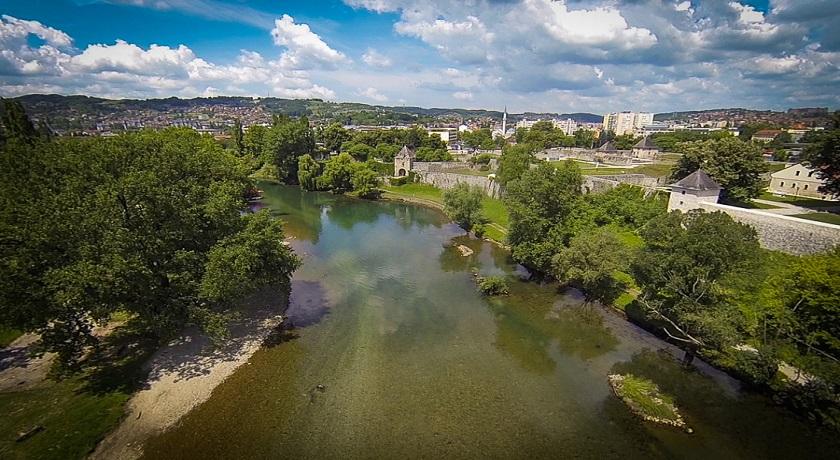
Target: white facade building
626	122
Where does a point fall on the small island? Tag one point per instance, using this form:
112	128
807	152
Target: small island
645	400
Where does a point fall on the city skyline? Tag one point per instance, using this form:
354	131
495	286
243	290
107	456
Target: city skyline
530	55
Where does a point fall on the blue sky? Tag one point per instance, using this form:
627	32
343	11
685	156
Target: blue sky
538	55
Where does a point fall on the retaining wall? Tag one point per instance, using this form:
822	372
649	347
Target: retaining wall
446	181
783	233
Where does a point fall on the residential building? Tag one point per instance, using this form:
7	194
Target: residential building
446	134
797	180
626	122
766	135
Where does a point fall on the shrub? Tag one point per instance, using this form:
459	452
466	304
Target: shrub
493	285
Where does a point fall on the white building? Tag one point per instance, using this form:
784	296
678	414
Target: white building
446	134
626	122
568	126
797	180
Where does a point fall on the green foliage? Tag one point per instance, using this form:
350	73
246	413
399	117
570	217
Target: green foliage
645	398
669	141
386	152
515	160
92	226
308	172
591	262
333	136
754	368
584	138
365	180
543	135
238	137
479	139
253	141
338	174
432	154
680	268
284	142
16	124
737	166
482	159
625	141
463	205
493	285
625	205
359	151
824	156
540	204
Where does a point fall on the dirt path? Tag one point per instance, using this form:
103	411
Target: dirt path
182	375
18	370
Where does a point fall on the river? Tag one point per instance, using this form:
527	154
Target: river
393	354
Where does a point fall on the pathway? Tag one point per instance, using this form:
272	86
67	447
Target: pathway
784	209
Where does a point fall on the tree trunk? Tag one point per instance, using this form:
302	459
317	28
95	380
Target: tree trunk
690	353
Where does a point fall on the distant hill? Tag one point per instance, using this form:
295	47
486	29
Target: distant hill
53	105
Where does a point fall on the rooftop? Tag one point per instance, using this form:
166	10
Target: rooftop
698	180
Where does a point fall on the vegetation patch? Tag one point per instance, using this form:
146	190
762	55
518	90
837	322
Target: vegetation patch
645	400
825	217
492	285
799	201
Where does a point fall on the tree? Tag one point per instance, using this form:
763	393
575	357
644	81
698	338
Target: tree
824	156
338	174
253	141
584	138
386	152
365	181
16	124
737	166
238	137
432	154
333	136
591	262
540	204
515	160
308	172
625	141
679	272
463	203
285	141
359	151
152	223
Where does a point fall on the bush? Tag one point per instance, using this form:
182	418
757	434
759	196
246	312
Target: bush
754	368
398	181
493	285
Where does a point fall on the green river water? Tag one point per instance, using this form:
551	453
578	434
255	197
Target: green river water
414	363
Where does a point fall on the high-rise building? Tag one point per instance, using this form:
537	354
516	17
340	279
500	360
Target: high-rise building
626	122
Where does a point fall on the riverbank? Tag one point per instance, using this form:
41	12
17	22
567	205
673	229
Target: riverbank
183	374
496	229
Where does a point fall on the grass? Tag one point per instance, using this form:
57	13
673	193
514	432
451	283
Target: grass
754	205
7	336
494	209
77	411
825	217
799	201
653	169
645	399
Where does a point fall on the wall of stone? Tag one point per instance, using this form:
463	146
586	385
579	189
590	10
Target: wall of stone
446	181
438	166
783	233
619	158
639	180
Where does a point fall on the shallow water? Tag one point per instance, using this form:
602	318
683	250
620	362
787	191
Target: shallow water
414	363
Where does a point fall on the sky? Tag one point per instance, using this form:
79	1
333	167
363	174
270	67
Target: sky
528	55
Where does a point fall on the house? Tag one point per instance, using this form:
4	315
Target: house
766	135
797	180
645	149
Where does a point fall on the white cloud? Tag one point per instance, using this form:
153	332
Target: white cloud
375	59
463	95
373	94
304	48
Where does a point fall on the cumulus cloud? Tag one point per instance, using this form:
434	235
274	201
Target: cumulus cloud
124	69
304	48
463	95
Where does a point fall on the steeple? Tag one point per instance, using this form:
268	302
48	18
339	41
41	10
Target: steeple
504	123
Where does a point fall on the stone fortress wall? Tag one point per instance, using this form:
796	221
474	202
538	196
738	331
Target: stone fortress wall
782	233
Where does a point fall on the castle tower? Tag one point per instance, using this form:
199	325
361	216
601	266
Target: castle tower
692	190
403	162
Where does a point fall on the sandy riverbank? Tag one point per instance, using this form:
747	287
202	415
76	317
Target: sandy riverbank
183	374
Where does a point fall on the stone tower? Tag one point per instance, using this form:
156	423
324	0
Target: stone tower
403	162
693	189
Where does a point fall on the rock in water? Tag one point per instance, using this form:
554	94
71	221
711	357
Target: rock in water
24	435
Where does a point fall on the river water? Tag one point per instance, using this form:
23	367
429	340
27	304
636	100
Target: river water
393	354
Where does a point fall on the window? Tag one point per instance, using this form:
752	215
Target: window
793	185
810	173
782	184
681	203
797	173
683	192
806	187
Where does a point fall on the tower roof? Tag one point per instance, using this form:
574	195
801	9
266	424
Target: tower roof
698	180
405	153
607	147
646	143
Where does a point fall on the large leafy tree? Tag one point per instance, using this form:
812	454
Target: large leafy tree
151	223
680	269
824	156
308	172
540	204
735	165
591	262
515	160
462	204
365	181
16	124
285	141
338	174
333	136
